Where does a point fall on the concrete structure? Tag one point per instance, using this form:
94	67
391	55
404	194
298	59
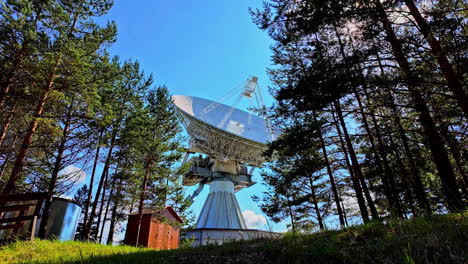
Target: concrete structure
205	236
222	204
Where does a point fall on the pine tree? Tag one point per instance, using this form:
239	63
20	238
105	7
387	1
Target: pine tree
365	62
151	132
68	41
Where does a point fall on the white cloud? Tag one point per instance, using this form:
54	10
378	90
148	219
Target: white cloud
74	172
253	220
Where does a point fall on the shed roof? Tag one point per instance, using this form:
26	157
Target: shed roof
167	208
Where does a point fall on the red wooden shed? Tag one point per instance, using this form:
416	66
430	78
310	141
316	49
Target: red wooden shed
154	233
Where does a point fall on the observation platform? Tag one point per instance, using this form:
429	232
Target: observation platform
201	171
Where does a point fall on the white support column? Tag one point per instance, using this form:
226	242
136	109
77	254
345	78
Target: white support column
221	209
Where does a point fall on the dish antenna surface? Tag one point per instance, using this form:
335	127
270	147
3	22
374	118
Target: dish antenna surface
233	140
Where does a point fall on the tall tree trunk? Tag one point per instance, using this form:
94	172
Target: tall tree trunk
383	153
115	131
415	179
380	156
166	189
355	163
107	209
101	183
55	172
23	151
316	207
454	147
101	207
433	138
344	211
330	175
91	184
110	237
291	216
384	171
405	176
356	184
108	202
438	52
144	185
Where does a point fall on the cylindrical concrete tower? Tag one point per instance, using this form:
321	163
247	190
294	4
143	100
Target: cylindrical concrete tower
221	209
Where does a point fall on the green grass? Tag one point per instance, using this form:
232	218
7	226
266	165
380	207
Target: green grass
45	251
436	239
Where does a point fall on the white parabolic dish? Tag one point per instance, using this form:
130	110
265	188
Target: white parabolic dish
223	131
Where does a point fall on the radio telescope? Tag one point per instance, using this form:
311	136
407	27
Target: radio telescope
233	141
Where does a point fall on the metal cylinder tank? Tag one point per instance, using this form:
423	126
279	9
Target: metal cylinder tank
63	219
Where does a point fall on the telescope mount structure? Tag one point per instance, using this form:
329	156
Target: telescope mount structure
232	142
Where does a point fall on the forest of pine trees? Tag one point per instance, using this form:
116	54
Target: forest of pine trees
65	103
372	99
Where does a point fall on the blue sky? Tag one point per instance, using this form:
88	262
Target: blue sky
201	48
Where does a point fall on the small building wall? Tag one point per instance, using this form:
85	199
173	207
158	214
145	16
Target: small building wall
153	232
132	229
163	236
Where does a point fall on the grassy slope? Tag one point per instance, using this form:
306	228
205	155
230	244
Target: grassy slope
438	239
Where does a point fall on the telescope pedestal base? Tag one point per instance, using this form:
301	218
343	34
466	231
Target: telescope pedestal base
221	209
205	236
